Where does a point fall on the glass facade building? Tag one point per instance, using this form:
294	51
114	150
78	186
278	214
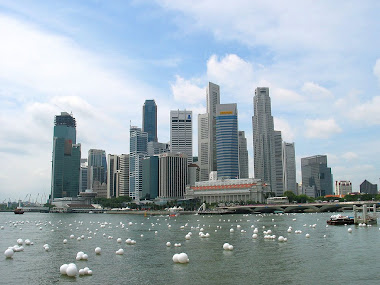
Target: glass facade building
227	141
150	177
150	120
66	158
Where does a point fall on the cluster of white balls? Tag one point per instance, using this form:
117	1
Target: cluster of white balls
298	232
120	251
180	258
81	256
177	245
46	247
273	237
282	239
202	235
228	246
71	270
362	225
130	241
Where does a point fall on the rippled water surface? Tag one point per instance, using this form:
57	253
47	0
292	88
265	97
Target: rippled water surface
338	258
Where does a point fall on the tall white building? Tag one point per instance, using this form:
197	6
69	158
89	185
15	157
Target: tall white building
213	99
203	147
113	175
173	173
278	163
243	156
264	142
289	167
124	175
181	133
343	187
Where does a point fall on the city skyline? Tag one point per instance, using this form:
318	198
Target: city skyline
102	61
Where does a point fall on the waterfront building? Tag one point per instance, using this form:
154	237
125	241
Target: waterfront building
343	187
315	172
124	175
203	146
243	156
65	158
83	175
212	100
138	150
228	191
227	138
278	163
97	168
150	120
289	167
368	188
157	148
150	172
113	176
264	144
181	133
193	172
173	168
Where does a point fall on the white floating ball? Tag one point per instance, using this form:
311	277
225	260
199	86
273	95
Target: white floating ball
226	246
120	251
230	247
183	258
187	236
98	250
20	241
8	253
232	230
72	270
63	268
71	236
349	230
307	235
81	272
118	240
254	236
280	238
89	272
168	244
65	241
85	257
86	269
175	258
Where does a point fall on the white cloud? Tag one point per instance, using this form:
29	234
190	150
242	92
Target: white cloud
287	132
315	91
376	69
322	129
186	92
350	155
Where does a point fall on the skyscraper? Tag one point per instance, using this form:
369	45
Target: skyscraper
66	158
264	141
213	99
203	148
289	167
227	138
150	177
278	163
83	175
124	175
113	176
97	167
157	148
243	156
150	120
181	133
138	150
315	173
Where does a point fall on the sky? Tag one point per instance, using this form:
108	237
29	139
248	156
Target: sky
101	60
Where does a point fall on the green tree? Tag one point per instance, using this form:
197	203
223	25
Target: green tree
291	196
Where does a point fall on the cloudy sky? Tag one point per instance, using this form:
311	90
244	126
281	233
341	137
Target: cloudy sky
100	60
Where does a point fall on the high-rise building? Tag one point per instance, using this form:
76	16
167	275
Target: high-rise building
150	120
193	171
181	133
83	175
203	148
263	139
138	150
289	167
213	99
278	163
97	168
316	173
124	175
227	139
172	175
243	156
157	148
66	158
368	188
150	174
113	176
343	187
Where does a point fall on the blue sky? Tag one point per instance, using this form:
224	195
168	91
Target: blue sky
102	59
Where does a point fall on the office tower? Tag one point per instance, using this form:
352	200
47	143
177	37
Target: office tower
213	99
124	175
83	175
66	158
368	188
150	177
113	176
278	163
157	148
150	120
181	133
172	175
138	150
315	173
227	139
193	172
97	168
203	140
343	187
263	139
243	156
289	167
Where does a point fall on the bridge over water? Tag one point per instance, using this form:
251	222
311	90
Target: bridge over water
296	208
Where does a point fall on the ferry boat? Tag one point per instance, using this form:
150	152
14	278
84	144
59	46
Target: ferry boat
18	211
340	220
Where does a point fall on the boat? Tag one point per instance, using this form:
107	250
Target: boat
340	220
18	211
